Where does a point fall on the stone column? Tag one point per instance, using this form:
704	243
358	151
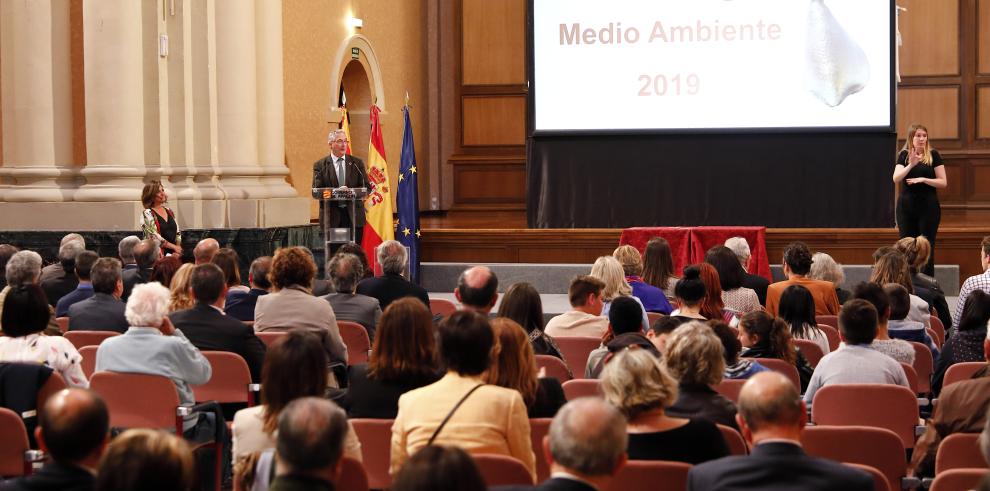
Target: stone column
37	106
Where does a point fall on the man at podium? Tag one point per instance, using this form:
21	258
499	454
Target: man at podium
340	170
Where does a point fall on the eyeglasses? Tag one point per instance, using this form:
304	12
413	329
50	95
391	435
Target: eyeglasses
341	141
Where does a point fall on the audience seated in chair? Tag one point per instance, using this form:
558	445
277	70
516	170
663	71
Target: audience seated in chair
522	304
765	336
652	298
797	309
824	268
623	331
797	265
771	417
694	356
916	251
239	304
58	285
438	468
228	261
689	293
310	447
757	283
391	285
164	269
345	272
892	267
514	367
585	317
104	311
658	266
180	292
661	329
6	252
712	307
403	357
489	419
208	329
205	250
736	368
146	253
609	271
732	276
966	344
152	460
856	362
897	349
56	269
899	326
477	289
73	429
23	269
125	251
639	385
84	287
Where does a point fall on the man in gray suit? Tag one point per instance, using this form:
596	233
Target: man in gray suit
103	311
345	270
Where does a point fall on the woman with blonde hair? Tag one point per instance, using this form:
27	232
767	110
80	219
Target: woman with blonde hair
916	251
920	172
635	382
652	298
609	270
514	367
694	356
181	289
824	268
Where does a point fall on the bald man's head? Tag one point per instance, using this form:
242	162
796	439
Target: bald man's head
146	253
770	399
205	250
73	425
477	288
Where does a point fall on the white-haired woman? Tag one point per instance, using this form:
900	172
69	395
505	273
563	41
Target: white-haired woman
637	384
694	356
609	270
23	269
824	268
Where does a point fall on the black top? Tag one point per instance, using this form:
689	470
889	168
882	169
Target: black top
210	330
963	346
549	398
801	363
703	402
388	288
167	227
920	170
696	442
369	398
54	477
758	284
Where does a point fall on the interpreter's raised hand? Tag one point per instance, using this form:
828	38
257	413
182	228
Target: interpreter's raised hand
914	157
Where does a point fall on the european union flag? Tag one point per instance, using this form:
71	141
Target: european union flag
407	200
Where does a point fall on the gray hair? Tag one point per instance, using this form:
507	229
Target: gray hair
345	271
105	274
588	435
311	433
125	249
24	268
148	305
333	133
635	382
824	268
740	248
68	251
392	256
693	354
73	237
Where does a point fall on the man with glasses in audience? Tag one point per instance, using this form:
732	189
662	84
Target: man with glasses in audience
339	170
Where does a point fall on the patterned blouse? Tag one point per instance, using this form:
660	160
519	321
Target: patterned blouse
52	351
742	300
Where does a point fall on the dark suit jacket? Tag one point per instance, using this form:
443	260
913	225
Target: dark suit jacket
325	176
133	277
759	284
59	286
240	305
209	330
370	398
101	312
54	477
552	484
390	287
777	466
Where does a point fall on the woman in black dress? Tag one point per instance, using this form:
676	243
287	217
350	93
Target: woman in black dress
158	221
920	171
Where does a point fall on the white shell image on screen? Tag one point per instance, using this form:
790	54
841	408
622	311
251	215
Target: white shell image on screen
835	65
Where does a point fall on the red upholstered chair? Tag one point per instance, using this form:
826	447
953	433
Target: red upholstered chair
832	334
352	476
783	367
375	436
502	470
269	337
88	364
880	482
653	475
230	382
737	445
958	479
576	350
959	451
730	388
961	371
653	316
539	428
939	328
358	343
439	306
912	377
924	365
63	324
878	405
555	367
828	320
54	384
582	387
81	339
879	448
15	443
810	349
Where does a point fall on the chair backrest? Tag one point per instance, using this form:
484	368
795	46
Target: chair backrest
912	377
582	387
832	334
961	371
352	476
959	451
956	479
783	367
938	327
502	470
88	364
63	324
810	349
876	447
358	343
737	445
555	367
230	379
442	307
924	364
81	339
269	337
539	428
576	350
653	316
54	384
658	475
879	405
730	388
828	320
375	436
15	443
880	482
137	400
935	338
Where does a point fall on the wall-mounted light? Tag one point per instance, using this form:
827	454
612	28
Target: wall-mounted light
355	22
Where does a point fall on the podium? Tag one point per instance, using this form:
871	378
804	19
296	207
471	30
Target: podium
338	197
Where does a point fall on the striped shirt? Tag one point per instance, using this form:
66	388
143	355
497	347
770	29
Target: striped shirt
977	282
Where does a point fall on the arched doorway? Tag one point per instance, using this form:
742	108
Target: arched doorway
357	93
357	70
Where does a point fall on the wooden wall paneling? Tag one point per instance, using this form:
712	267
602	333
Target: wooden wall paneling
983	37
493	37
983	104
930	31
958	191
493	120
935	107
490	182
979	181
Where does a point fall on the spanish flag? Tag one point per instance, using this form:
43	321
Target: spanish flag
378	204
345	125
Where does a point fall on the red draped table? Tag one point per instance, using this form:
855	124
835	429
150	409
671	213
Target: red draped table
689	244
